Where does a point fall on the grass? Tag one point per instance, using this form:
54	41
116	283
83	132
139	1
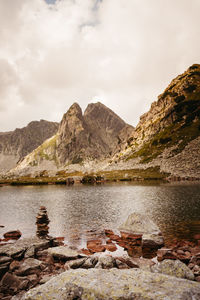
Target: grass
182	132
134	174
117	175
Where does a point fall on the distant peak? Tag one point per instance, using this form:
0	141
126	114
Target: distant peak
74	109
94	106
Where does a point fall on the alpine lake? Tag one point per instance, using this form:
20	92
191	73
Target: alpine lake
82	212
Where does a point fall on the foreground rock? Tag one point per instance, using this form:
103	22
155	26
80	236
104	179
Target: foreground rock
173	268
114	284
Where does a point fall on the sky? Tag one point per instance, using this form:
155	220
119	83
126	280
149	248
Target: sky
122	53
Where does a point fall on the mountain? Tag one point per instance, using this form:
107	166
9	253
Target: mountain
168	134
166	139
15	145
95	135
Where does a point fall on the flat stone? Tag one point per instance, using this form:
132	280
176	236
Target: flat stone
5	260
18	248
64	253
173	268
114	284
77	263
29	266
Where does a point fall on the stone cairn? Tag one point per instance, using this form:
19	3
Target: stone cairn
42	222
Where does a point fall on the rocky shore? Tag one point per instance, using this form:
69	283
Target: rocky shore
44	268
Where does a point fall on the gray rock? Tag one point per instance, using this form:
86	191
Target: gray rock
114	284
106	262
63	253
139	224
142	224
74	264
90	262
173	268
19	248
29	266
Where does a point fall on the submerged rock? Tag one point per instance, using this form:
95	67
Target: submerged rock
114	284
15	235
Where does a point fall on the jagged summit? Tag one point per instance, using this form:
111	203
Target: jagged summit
167	136
96	134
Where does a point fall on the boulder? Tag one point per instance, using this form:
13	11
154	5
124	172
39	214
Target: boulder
140	230
114	284
173	268
139	224
64	253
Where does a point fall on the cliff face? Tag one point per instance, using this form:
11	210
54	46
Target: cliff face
15	145
96	134
173	120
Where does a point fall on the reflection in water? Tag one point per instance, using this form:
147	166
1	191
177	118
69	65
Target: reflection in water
79	212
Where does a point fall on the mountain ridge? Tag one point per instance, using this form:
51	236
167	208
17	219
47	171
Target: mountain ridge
100	141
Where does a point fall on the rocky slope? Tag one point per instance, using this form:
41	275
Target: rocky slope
168	134
97	134
15	145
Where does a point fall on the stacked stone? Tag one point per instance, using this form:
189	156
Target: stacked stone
42	222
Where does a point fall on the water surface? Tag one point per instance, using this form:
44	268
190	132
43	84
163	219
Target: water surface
80	212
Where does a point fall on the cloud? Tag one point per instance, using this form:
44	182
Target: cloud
123	53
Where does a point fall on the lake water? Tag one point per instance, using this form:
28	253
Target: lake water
81	212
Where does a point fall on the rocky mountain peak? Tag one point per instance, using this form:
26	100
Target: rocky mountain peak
97	114
173	120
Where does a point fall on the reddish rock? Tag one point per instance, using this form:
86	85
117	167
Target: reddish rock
134	251
165	253
197	236
115	237
93	243
14	235
130	236
109	241
86	251
98	248
111	247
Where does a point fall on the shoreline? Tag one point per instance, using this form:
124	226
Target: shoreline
30	264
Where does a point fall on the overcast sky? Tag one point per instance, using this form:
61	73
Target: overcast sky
122	53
